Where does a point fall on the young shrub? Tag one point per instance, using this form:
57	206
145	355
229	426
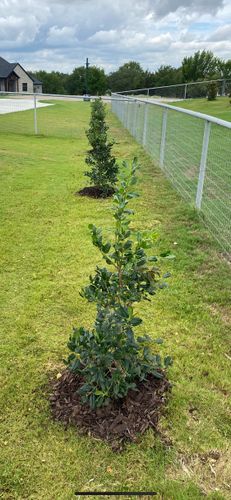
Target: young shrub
103	167
110	358
212	91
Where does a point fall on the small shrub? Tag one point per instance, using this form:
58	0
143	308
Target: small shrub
104	169
109	357
212	91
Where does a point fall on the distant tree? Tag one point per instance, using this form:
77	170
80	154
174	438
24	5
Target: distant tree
96	81
149	79
129	76
212	91
167	75
103	167
202	65
225	67
76	82
53	82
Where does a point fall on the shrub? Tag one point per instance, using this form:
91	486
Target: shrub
212	91
109	357
104	169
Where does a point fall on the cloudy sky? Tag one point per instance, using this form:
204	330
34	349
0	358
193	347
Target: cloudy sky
60	34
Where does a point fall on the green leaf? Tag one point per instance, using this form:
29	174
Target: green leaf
136	321
168	361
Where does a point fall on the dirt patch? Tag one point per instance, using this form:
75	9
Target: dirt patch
95	192
222	311
121	421
210	470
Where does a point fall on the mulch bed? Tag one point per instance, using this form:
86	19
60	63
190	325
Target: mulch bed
94	192
121	421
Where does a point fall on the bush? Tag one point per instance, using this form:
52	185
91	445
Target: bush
109	357
104	169
212	91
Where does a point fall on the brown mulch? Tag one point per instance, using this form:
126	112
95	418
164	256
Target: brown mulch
94	192
121	421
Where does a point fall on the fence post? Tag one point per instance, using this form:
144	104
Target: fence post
163	137
134	128
35	115
223	87
128	115
203	162
185	91
145	124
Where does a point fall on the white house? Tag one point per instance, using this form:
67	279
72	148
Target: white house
14	78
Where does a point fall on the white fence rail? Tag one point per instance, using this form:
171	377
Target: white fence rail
187	90
194	152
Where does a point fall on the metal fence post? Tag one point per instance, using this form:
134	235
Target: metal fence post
145	124
203	162
128	115
163	137
134	127
223	87
185	91
35	116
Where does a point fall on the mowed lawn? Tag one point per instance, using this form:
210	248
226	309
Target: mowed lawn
46	256
221	107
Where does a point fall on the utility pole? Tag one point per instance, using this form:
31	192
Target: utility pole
86	75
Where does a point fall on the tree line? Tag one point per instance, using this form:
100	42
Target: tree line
202	65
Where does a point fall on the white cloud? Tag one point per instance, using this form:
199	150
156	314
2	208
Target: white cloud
222	33
65	36
60	34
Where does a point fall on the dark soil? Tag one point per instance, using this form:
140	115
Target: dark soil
121	421
95	192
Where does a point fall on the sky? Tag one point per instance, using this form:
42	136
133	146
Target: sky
59	34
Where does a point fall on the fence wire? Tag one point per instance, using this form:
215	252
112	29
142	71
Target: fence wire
40	114
194	152
188	90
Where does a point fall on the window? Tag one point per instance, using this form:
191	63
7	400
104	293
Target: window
24	87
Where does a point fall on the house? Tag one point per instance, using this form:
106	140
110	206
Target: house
14	78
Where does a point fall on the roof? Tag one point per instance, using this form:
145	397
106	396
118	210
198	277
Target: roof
35	80
6	68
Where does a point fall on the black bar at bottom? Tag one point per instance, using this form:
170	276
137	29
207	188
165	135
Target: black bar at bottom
117	493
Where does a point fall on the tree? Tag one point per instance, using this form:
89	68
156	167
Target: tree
104	169
127	77
202	65
225	69
96	81
109	358
167	75
53	82
76	82
212	91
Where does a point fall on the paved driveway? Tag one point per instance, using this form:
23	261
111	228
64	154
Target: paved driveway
12	105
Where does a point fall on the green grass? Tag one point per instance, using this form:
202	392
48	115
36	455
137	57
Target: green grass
221	107
46	256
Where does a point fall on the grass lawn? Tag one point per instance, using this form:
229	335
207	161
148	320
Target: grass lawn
221	107
46	256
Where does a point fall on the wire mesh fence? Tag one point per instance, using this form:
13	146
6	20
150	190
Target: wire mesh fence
40	114
188	90
194	152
